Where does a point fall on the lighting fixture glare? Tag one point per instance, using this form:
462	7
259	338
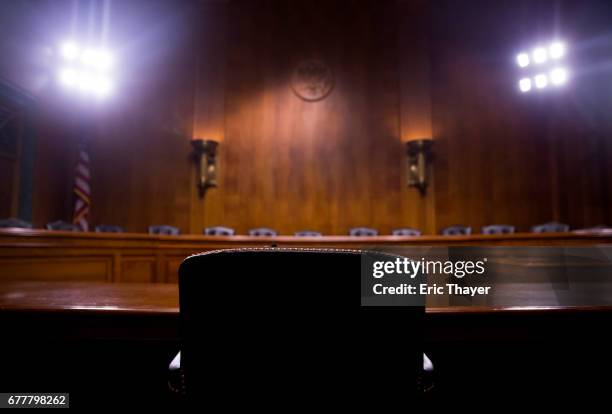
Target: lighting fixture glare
102	86
69	51
97	59
556	50
522	59
86	81
68	77
540	55
541	81
558	76
525	85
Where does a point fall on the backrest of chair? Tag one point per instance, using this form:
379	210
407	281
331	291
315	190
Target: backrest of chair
552	227
12	222
363	232
497	229
218	231
263	231
164	229
308	233
60	225
406	232
457	230
109	228
259	319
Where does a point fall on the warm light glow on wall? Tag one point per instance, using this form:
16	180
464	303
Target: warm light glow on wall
416	136
215	134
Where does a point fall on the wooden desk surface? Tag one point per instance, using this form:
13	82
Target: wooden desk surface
147	298
110	298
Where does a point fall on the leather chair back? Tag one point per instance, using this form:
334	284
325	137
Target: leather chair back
164	229
260	323
552	227
457	231
218	231
363	232
497	229
14	223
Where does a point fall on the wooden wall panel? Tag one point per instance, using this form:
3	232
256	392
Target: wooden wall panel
81	268
140	143
492	150
414	54
327	165
138	269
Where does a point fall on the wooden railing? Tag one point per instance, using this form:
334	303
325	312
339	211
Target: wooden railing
129	257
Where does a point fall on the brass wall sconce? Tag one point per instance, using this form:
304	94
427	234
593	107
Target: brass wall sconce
205	152
419	157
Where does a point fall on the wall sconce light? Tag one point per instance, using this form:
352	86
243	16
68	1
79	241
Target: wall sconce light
205	152
419	156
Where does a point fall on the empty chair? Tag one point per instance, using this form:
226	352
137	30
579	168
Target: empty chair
406	232
109	228
308	233
497	229
457	230
263	231
218	231
60	225
15	223
164	229
363	232
552	227
294	331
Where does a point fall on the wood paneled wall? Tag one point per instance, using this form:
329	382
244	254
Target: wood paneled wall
328	165
402	69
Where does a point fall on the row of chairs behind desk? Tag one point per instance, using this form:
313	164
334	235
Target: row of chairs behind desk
456	230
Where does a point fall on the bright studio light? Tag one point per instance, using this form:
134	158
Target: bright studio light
522	59
96	59
525	85
86	69
68	77
543	67
69	51
539	55
558	76
541	81
556	50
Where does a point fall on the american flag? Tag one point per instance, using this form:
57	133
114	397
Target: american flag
81	189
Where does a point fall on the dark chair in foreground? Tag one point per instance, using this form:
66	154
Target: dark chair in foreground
406	232
218	231
60	225
363	232
552	227
252	321
457	231
308	233
109	228
263	232
14	223
497	229
165	230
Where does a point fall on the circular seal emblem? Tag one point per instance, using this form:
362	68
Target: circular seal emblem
312	80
